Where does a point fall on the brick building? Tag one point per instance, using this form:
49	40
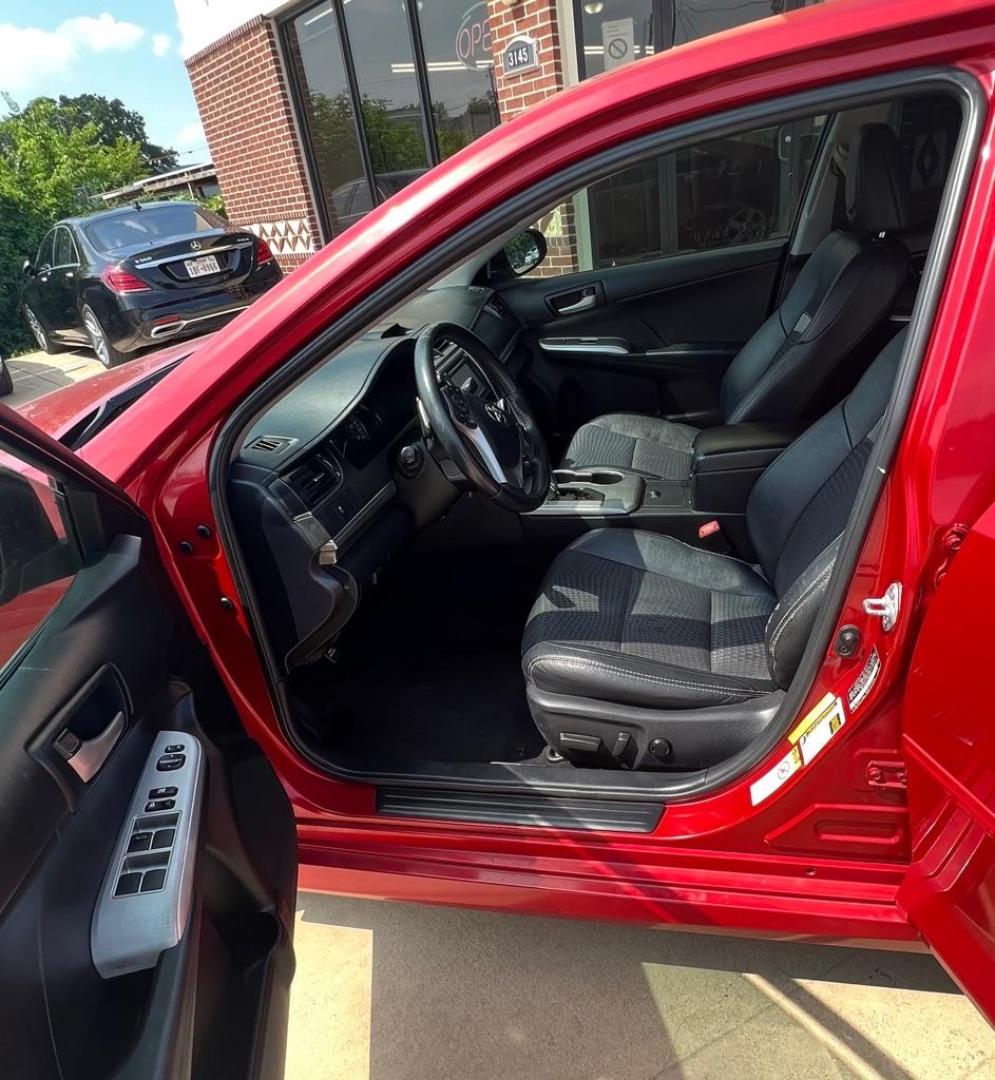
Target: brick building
317	110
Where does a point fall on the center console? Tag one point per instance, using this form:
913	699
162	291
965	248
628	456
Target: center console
726	463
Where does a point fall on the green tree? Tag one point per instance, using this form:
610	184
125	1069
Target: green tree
111	119
48	170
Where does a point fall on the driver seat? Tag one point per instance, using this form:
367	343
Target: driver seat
845	289
643	652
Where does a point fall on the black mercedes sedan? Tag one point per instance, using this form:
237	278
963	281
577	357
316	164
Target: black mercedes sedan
124	279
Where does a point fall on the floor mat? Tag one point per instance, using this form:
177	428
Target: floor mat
429	669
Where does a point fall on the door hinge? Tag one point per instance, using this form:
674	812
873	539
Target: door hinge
886	607
888	775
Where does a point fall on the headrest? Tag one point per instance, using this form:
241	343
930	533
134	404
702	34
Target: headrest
877	188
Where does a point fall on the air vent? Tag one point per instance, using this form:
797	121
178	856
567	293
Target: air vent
314	480
270	444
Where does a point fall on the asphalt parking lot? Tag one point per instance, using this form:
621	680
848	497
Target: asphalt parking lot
410	992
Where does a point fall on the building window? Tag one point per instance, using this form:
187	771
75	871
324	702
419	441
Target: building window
385	90
316	60
456	40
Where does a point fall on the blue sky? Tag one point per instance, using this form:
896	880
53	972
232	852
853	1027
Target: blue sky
124	50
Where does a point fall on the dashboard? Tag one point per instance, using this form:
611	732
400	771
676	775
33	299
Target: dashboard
340	457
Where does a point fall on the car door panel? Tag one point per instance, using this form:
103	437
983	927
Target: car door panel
657	337
117	654
949	741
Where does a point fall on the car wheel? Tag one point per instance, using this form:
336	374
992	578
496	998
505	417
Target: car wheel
45	343
106	353
6	379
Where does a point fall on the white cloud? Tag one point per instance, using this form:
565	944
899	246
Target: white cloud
190	137
102	33
161	44
30	53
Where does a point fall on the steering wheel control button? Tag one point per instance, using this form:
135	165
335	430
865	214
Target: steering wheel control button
155	805
169	762
162	792
128	884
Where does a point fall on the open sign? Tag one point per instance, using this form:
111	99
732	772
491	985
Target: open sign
473	38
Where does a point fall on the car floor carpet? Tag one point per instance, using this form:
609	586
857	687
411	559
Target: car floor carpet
429	668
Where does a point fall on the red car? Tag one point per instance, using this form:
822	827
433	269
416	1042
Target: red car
460	569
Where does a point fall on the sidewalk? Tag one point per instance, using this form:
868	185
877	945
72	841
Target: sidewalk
38	373
412	992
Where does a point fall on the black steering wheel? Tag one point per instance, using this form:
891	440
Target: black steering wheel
484	426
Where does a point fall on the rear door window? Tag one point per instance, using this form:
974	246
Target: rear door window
64	253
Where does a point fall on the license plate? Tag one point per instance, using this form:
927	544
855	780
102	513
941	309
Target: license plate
201	266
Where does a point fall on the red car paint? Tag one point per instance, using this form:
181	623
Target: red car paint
62	409
835	855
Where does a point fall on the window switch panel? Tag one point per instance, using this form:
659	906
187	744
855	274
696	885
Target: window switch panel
144	904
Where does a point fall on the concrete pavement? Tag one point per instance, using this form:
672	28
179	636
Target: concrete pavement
38	373
411	992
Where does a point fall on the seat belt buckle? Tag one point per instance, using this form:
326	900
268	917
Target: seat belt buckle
710	534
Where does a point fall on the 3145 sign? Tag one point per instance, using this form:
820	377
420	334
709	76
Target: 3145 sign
520	54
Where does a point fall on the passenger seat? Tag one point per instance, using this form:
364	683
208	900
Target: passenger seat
847	287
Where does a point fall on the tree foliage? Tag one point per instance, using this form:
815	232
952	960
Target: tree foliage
113	122
49	168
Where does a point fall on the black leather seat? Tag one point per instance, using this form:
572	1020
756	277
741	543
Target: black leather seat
637	637
847	287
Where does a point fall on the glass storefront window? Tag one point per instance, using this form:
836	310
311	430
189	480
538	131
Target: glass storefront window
611	33
349	56
695	19
457	42
316	57
393	119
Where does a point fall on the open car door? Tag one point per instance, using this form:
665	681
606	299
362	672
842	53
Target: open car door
147	850
949	741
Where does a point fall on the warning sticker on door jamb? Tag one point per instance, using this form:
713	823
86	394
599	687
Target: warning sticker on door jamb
807	739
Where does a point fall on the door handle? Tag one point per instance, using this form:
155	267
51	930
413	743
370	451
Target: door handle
585	303
86	756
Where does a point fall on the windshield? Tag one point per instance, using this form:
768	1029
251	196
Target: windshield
147	226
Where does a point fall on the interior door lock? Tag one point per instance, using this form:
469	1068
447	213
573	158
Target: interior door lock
886	607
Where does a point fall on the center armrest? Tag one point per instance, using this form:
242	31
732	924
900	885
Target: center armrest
741	446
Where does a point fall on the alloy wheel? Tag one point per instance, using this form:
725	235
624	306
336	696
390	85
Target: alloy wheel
36	328
97	338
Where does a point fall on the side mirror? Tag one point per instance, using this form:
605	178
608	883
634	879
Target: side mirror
520	255
27	268
525	251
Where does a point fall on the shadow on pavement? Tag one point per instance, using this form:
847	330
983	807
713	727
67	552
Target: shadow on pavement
476	994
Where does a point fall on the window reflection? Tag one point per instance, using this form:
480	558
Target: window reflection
315	53
393	120
460	65
624	29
